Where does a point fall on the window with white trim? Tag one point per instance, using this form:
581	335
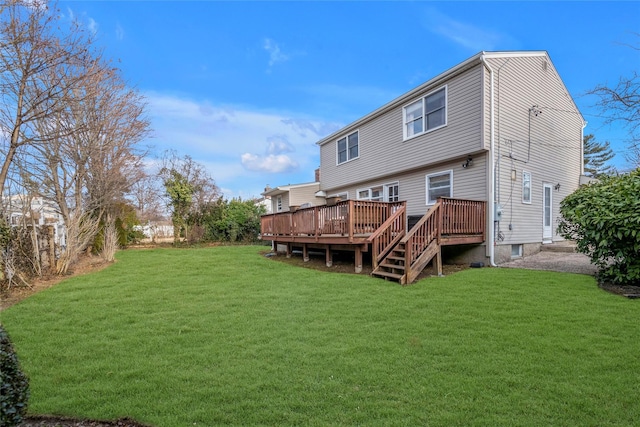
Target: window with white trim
439	185
342	196
393	195
426	114
348	148
279	204
373	193
526	187
386	193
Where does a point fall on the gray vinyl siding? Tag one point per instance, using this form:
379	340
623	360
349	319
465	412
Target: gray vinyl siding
555	152
382	150
520	82
468	183
285	203
301	195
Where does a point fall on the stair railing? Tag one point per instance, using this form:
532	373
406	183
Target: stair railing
388	235
426	230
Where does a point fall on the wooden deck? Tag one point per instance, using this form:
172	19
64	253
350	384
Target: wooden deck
381	227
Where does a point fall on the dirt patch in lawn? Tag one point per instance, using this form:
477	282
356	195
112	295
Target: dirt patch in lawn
52	421
343	262
631	292
86	264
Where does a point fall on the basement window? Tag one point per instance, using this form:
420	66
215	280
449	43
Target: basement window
516	251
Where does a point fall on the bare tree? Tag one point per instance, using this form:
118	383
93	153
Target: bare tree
30	47
621	103
146	197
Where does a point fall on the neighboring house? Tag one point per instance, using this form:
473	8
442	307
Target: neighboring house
499	128
22	209
156	231
291	197
266	202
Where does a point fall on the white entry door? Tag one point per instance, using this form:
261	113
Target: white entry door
547	203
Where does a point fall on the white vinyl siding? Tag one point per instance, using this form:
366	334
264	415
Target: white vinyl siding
348	147
383	149
439	185
554	154
426	114
469	183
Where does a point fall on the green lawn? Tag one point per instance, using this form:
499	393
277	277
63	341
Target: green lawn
224	336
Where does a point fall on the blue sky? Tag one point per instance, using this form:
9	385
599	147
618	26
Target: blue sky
247	88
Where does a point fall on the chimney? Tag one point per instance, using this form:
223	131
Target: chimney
318	175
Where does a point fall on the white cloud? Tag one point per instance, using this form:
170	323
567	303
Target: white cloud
275	54
242	148
465	34
93	26
271	163
119	32
279	144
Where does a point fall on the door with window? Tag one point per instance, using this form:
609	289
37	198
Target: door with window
547	203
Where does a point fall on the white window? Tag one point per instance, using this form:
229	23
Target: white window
279	204
364	194
348	148
526	187
516	251
388	192
374	193
426	114
392	192
342	196
439	185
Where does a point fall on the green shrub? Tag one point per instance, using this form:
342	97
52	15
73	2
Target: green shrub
14	385
604	220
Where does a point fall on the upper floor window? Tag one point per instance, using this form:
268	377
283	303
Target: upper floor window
439	185
279	204
426	114
348	148
526	187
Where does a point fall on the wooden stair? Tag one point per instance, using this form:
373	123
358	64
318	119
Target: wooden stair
401	256
393	265
406	259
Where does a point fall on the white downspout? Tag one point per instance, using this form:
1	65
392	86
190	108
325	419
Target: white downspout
492	173
584	125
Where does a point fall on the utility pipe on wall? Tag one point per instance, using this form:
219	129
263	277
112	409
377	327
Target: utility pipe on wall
492	171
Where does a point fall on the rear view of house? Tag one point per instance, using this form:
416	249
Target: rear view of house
499	129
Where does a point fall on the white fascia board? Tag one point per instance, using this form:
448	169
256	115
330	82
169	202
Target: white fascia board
286	188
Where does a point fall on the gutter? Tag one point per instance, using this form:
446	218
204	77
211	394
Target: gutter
492	171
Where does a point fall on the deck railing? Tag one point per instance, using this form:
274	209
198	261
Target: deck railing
422	234
388	235
461	217
448	218
348	218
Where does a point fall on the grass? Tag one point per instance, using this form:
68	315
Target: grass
224	336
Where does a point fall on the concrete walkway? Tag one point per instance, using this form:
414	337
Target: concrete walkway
556	257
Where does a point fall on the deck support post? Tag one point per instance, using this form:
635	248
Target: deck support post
358	259
437	263
288	250
305	253
328	257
